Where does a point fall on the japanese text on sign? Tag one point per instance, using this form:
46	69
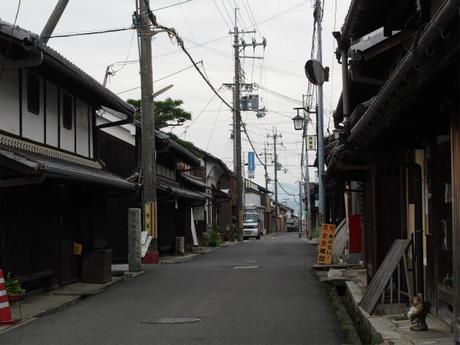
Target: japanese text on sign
326	242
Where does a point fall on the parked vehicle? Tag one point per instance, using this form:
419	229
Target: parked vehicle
251	223
292	224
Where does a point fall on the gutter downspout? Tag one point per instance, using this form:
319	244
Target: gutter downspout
53	20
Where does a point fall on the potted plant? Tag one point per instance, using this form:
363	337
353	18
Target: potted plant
14	289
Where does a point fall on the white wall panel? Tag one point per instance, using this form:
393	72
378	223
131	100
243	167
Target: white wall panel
67	136
9	102
251	199
33	125
91	145
52	114
82	127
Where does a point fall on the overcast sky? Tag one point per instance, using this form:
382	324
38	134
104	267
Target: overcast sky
204	25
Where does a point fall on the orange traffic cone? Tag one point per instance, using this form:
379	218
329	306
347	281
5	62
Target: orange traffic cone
5	310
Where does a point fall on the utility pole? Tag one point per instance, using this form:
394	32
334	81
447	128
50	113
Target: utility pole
306	116
300	209
237	47
267	178
275	137
145	33
318	16
237	133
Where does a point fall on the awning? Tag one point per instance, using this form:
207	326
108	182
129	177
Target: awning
37	165
175	189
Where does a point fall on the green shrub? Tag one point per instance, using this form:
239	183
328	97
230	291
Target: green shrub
13	286
212	238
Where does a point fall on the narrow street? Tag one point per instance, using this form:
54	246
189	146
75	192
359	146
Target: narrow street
257	292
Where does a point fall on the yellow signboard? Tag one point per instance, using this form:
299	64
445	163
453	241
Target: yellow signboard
77	248
326	242
149	219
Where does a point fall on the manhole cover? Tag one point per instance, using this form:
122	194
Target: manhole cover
171	320
245	267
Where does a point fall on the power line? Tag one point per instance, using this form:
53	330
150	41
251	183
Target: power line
89	33
250	143
162	8
226	11
214	126
282	13
277	94
172	32
221	14
162	78
285	191
198	116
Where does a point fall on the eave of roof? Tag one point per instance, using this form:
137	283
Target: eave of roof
66	68
179	150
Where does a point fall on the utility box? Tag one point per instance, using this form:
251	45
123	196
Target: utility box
180	245
97	266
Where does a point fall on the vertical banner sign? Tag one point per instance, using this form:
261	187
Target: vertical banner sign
311	142
326	242
149	219
251	164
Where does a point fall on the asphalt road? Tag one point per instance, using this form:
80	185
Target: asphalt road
254	293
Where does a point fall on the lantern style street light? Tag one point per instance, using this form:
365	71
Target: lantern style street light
298	120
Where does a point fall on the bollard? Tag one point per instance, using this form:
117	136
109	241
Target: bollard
134	240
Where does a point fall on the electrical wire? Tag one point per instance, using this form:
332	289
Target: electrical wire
277	94
214	126
250	143
173	34
282	13
226	11
162	78
89	33
221	15
165	7
285	191
198	116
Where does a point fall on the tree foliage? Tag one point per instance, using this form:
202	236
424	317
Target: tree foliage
167	113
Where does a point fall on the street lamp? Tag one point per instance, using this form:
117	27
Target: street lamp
298	122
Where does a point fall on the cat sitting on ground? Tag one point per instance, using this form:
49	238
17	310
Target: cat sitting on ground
417	314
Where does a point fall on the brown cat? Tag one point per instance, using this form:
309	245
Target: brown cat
417	314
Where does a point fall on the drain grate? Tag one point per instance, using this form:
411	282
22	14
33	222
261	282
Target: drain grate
171	320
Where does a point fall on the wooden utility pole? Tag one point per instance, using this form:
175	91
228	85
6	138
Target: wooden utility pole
237	47
145	32
276	165
237	129
318	16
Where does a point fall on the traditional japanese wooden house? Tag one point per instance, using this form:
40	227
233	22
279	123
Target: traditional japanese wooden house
395	155
53	189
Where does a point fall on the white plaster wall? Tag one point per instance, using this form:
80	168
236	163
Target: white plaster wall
251	199
90	126
82	127
67	136
52	114
9	102
33	125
